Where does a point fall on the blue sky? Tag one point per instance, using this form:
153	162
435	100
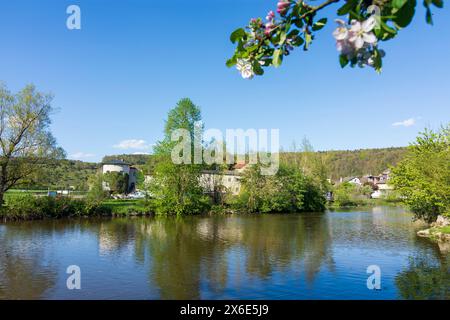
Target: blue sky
116	78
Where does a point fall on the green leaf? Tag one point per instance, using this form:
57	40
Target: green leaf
405	14
438	3
293	33
347	7
298	41
252	48
319	24
343	60
237	35
298	23
277	58
397	4
231	62
427	4
378	62
308	40
283	36
429	16
388	29
257	68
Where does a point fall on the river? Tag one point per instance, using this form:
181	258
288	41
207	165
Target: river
304	256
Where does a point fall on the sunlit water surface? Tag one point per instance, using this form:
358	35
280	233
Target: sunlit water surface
309	256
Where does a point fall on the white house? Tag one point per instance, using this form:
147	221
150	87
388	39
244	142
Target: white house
384	189
214	181
356	181
122	167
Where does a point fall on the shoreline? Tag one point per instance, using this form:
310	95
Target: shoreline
439	233
136	213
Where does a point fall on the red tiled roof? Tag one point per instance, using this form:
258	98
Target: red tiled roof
240	165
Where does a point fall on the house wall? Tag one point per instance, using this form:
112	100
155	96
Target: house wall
210	181
125	169
115	168
231	182
132	179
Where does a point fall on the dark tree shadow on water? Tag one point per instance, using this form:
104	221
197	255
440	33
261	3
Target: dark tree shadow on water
25	270
427	277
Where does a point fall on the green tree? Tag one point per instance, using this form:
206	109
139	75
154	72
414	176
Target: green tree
117	182
423	177
176	187
96	192
25	137
287	191
345	194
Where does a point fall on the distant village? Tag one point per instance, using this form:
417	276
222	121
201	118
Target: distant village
379	183
230	180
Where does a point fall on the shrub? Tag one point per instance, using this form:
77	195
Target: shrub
422	178
287	191
345	195
28	207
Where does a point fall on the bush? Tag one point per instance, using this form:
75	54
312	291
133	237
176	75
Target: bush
422	178
28	207
345	195
287	191
96	193
350	195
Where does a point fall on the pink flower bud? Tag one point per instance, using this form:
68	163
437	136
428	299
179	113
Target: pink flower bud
270	15
283	6
269	28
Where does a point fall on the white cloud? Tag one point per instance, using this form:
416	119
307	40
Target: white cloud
81	155
405	123
137	144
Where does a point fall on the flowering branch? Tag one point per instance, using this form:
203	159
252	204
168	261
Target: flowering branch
265	43
319	7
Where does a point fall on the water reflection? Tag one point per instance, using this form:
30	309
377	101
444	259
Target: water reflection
189	252
427	276
312	256
26	269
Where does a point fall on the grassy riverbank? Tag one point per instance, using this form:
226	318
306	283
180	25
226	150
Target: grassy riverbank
128	207
31	207
364	203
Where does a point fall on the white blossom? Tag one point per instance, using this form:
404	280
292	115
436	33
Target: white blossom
245	68
341	32
361	32
357	41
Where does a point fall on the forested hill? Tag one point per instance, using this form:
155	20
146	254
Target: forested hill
62	174
350	163
361	162
133	159
341	163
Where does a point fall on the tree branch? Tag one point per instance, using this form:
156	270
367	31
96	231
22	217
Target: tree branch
317	8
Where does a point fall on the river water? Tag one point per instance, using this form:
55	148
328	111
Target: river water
307	256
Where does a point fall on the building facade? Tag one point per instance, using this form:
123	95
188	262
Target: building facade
121	167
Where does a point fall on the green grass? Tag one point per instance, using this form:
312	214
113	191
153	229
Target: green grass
128	207
439	230
445	230
14	193
357	203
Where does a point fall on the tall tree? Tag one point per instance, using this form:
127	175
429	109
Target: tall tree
25	137
117	182
423	177
176	187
